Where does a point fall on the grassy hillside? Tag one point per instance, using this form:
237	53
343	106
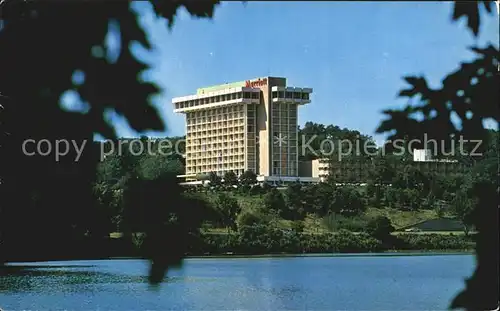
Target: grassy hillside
315	224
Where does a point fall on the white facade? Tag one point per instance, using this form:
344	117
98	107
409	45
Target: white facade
422	155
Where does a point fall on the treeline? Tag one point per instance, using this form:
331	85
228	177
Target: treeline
248	213
262	235
257	241
137	195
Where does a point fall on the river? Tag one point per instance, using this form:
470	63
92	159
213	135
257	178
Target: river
356	282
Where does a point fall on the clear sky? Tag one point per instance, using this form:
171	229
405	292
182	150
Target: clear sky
353	54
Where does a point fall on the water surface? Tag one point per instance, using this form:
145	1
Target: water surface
291	283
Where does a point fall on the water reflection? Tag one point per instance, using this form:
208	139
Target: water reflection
17	279
68	278
352	283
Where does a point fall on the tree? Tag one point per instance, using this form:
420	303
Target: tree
347	201
230	179
408	177
152	167
274	201
34	41
381	172
409	199
390	196
318	198
229	209
110	170
294	201
108	211
374	193
315	133
214	179
266	187
251	219
471	92
298	226
463	209
380	227
429	202
248	178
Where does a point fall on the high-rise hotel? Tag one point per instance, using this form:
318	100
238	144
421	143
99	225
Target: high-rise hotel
247	125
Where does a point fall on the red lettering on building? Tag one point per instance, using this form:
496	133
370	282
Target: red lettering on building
256	83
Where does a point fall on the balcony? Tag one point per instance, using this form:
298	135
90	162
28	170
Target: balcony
300	96
216	99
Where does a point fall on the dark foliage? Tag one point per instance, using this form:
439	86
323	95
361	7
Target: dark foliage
379	228
472	94
43	45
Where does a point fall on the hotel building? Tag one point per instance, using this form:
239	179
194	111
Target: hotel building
248	125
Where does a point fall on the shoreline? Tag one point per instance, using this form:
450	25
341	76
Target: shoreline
360	254
391	253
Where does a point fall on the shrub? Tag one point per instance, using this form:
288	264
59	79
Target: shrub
335	222
346	241
251	218
434	242
380	227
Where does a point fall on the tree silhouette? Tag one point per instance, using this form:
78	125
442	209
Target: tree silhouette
248	178
471	92
228	209
214	179
46	50
230	179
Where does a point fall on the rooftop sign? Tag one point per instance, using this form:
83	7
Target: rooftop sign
219	87
256	83
248	83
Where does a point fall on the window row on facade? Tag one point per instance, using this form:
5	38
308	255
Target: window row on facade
284	128
216	124
226	130
218	152
236	134
217	99
218	118
292	121
219	170
359	172
213	145
207	145
215	111
285	107
216	160
285	171
291	95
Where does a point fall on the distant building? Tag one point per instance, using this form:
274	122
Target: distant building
438	224
422	155
343	171
425	155
357	170
314	169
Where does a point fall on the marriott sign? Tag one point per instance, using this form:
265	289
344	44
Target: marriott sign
256	83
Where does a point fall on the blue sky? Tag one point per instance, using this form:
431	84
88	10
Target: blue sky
353	54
